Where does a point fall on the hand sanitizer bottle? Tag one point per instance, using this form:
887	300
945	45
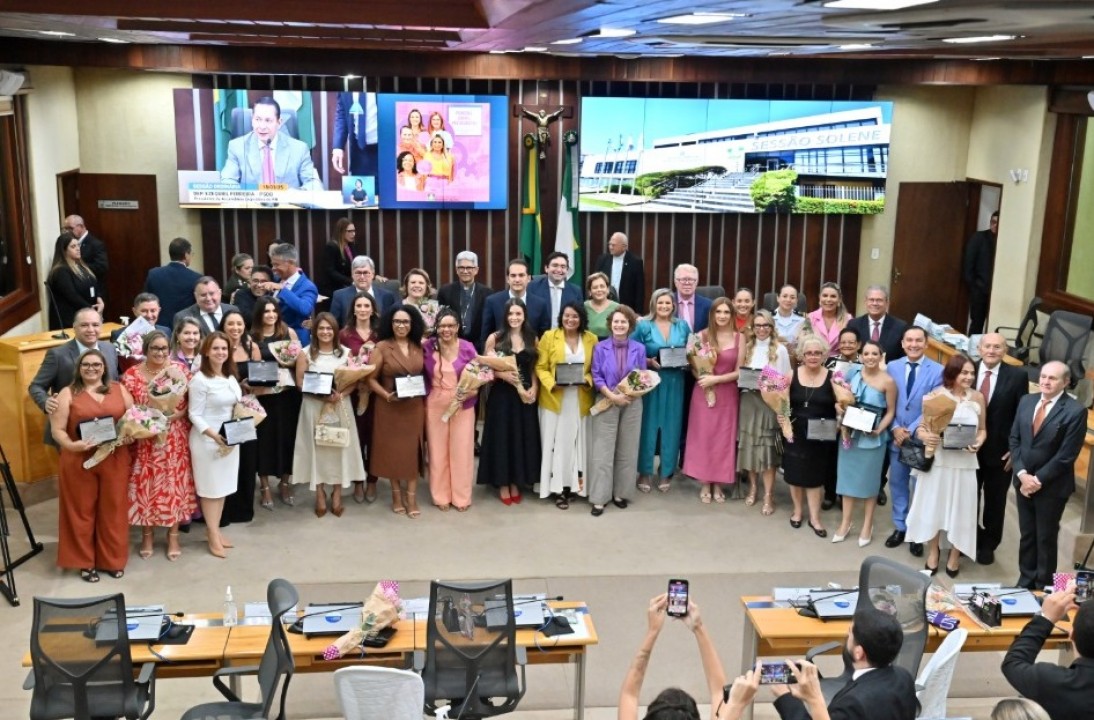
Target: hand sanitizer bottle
231	613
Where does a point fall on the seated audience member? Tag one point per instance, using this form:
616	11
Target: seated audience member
1018	709
1065	693
878	690
672	703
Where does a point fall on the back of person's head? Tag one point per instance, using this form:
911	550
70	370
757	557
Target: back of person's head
672	704
1082	630
878	634
1018	709
179	248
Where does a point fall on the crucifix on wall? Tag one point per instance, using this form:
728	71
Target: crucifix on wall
543	119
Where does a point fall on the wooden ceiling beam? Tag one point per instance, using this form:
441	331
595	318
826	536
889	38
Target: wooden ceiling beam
322	44
289	31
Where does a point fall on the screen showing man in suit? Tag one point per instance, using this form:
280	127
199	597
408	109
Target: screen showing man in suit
267	156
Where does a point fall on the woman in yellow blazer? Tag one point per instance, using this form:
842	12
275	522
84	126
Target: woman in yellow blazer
564	408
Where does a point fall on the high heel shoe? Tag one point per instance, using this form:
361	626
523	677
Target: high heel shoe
931	570
284	490
146	543
267	499
953	573
174	552
337	508
397	506
864	541
320	507
837	538
412	510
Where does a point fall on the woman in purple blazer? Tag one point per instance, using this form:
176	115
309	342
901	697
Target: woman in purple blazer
452	443
615	432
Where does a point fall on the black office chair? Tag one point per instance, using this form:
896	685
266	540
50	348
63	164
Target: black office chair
1065	339
1020	339
712	292
241	122
275	669
771	303
897	589
471	655
75	675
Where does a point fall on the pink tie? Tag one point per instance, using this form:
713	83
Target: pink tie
267	165
875	334
686	305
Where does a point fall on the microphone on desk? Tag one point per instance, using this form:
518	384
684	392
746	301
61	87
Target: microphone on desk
60	334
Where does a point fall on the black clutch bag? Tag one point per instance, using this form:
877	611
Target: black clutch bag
913	453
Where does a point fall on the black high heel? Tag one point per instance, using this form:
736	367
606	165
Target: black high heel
932	570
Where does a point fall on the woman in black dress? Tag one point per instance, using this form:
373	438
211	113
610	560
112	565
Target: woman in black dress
240	505
72	284
809	464
277	433
511	452
334	269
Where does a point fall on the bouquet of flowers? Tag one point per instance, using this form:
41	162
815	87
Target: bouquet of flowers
138	423
249	407
636	383
285	352
775	391
382	609
473	376
353	375
167	389
937	413
499	363
130	342
429	309
845	398
702	358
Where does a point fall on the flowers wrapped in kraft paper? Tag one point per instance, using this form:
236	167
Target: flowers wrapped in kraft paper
702	358
937	412
775	391
354	376
845	398
634	384
138	423
473	376
167	389
382	610
285	352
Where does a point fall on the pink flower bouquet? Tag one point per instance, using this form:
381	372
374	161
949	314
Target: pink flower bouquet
130	342
382	610
702	358
138	423
249	407
845	398
429	309
167	389
285	352
473	376
775	391
635	384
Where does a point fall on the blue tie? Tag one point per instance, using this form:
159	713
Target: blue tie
911	379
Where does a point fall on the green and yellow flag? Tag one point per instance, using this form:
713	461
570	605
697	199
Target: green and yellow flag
530	222
568	233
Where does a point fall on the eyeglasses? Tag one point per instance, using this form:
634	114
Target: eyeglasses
757	326
400	322
92	366
467	268
813	353
158	349
687	280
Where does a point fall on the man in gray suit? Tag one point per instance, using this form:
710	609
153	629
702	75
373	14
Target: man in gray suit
1045	439
59	366
266	155
207	309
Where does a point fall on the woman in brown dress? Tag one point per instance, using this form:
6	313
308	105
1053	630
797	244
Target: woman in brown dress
93	528
399	423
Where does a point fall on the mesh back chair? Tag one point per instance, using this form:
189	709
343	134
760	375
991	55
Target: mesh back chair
470	661
933	684
1021	338
898	590
274	670
76	676
1065	339
377	693
712	292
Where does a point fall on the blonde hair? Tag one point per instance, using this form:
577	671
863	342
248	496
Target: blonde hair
1018	709
750	337
811	340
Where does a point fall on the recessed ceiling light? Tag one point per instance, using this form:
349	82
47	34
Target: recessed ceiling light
498	52
700	18
535	48
876	4
116	41
856	46
57	33
615	33
567	41
978	39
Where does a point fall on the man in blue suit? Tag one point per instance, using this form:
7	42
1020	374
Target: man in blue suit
355	127
915	376
174	282
553	288
295	293
493	314
692	308
363	271
266	155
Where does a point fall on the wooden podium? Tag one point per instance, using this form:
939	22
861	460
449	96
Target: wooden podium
22	424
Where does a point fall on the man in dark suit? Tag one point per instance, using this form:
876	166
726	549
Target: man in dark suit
1045	439
59	365
363	271
692	308
878	325
878	690
207	309
552	288
355	127
493	314
295	293
147	306
1002	386
467	297
1064	692
625	272
978	269
174	282
92	250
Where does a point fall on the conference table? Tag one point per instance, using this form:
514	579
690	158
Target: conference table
780	633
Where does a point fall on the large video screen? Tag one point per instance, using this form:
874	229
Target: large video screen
442	151
733	156
271	149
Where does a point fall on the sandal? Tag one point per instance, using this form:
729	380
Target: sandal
751	499
116	574
644	484
285	490
267	498
704	497
719	496
174	552
769	505
90	575
146	543
664	485
563	504
463	508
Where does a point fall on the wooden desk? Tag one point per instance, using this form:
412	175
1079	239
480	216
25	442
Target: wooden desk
22	424
941	353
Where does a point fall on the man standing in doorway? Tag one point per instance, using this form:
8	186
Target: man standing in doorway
92	251
979	267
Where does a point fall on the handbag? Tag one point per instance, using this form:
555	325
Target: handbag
335	436
913	453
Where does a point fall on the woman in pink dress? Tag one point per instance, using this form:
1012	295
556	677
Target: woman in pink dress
831	317
161	483
711	455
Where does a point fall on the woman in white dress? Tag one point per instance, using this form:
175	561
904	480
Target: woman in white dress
564	409
945	497
214	392
321	465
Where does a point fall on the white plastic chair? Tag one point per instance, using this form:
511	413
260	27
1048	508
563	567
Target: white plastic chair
377	693
933	683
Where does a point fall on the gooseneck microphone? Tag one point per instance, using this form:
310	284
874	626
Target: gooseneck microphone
60	334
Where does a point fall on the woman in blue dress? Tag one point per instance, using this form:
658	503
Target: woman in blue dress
858	473
662	409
